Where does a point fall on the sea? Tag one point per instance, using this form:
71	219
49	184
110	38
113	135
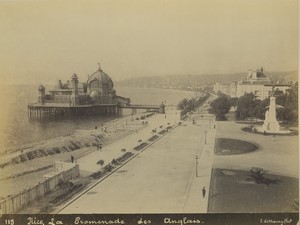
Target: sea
16	129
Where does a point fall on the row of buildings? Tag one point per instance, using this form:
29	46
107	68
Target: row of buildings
257	82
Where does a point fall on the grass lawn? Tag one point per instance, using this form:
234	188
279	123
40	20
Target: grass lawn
225	146
153	138
232	191
140	146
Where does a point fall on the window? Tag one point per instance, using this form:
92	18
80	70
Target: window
94	84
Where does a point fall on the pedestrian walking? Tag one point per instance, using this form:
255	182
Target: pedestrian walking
203	192
72	158
273	137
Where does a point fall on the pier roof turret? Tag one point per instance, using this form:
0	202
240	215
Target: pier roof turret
74	76
41	88
260	74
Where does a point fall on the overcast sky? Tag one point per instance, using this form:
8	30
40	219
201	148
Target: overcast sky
44	40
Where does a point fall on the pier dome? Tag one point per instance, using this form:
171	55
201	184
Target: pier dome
100	87
94	95
102	77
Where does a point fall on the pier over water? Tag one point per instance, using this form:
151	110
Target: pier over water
94	97
36	111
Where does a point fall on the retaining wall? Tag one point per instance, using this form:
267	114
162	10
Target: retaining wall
16	202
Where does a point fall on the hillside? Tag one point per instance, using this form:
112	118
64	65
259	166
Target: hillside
184	81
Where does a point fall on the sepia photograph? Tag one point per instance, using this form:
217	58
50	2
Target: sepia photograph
149	112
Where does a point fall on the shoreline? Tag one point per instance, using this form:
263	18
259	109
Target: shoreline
30	171
81	142
20	176
17	133
23	147
110	153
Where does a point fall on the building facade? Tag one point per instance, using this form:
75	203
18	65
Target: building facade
257	82
97	90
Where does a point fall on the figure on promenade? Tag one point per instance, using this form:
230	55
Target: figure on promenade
203	192
72	158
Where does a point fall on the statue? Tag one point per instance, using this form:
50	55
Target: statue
267	115
99	66
271	125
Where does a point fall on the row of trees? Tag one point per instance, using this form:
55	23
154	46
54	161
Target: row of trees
248	106
188	105
220	106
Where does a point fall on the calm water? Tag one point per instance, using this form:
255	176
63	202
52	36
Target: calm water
17	129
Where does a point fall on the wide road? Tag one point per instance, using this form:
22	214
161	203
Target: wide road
159	180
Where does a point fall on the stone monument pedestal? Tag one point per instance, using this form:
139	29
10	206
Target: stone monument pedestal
271	125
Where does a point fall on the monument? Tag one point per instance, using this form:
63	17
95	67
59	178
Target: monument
271	125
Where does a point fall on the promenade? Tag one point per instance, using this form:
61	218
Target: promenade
113	150
163	178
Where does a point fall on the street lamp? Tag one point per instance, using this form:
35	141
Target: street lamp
196	166
205	136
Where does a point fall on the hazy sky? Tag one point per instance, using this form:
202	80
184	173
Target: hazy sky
44	40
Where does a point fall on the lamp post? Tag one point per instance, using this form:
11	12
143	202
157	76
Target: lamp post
205	136
197	166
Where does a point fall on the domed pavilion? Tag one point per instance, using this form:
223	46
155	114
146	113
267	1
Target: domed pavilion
97	90
96	96
100	88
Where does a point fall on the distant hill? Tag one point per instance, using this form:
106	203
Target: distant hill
184	81
284	76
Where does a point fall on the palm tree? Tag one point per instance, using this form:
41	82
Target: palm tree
114	162
101	162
